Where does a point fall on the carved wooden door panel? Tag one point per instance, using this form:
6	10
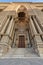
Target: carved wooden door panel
21	43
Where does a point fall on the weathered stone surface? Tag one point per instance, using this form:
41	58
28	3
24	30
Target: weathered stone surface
21	19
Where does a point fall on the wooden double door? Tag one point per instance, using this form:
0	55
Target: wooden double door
21	43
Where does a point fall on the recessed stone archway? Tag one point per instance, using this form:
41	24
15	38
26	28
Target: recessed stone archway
22	12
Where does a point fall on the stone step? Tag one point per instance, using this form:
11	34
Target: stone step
21	52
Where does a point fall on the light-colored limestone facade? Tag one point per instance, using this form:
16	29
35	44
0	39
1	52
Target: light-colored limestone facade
21	26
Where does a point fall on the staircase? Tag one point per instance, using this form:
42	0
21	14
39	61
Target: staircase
20	53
